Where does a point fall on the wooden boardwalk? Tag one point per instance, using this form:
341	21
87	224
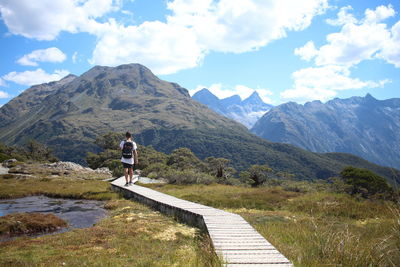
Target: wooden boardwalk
234	240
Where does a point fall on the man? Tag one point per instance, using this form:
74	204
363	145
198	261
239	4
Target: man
129	157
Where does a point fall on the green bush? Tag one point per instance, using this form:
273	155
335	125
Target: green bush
116	167
366	183
39	152
155	170
256	175
183	158
188	177
4	157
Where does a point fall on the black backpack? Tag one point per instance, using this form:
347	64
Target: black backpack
127	150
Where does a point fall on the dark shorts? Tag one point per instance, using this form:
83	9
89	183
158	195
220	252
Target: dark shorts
128	166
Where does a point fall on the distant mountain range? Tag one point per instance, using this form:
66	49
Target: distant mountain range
247	112
69	114
362	126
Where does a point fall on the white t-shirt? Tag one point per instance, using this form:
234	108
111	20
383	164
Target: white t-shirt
131	160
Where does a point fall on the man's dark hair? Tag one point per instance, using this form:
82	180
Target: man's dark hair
128	135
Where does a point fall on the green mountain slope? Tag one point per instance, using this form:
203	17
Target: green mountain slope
69	115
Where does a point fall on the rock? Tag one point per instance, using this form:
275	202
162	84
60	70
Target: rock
7	163
66	167
104	170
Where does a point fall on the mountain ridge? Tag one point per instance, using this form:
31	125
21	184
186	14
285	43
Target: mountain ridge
246	111
362	126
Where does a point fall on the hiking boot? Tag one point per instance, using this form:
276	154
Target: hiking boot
126	184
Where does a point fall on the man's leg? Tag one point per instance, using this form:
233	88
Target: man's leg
126	170
130	174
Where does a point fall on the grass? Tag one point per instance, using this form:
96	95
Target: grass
66	187
29	223
223	196
131	234
312	227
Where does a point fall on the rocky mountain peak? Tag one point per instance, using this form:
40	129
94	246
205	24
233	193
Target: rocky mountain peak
205	93
369	98
254	98
231	100
246	112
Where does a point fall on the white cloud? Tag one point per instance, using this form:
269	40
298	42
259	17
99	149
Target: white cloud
193	29
391	48
343	17
163	48
45	19
2	83
243	91
4	95
37	76
379	14
52	54
307	52
245	25
322	83
357	40
186	37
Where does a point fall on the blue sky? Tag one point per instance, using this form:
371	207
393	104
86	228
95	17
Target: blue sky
287	50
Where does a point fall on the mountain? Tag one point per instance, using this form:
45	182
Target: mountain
362	126
247	112
69	114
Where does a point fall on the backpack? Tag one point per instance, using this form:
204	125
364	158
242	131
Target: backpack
127	150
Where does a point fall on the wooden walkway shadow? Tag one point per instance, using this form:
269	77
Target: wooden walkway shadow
234	240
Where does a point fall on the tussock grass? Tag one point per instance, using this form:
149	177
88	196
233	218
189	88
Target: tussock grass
338	205
29	223
224	196
316	242
311	227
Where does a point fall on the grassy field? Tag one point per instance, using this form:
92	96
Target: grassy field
63	187
131	234
313	227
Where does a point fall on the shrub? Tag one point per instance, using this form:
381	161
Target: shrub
116	167
155	170
4	157
256	175
183	158
366	183
39	152
188	177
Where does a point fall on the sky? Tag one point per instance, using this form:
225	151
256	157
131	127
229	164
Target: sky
286	50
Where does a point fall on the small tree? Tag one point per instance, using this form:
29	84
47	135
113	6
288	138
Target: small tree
256	175
183	159
110	140
149	156
365	183
39	152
